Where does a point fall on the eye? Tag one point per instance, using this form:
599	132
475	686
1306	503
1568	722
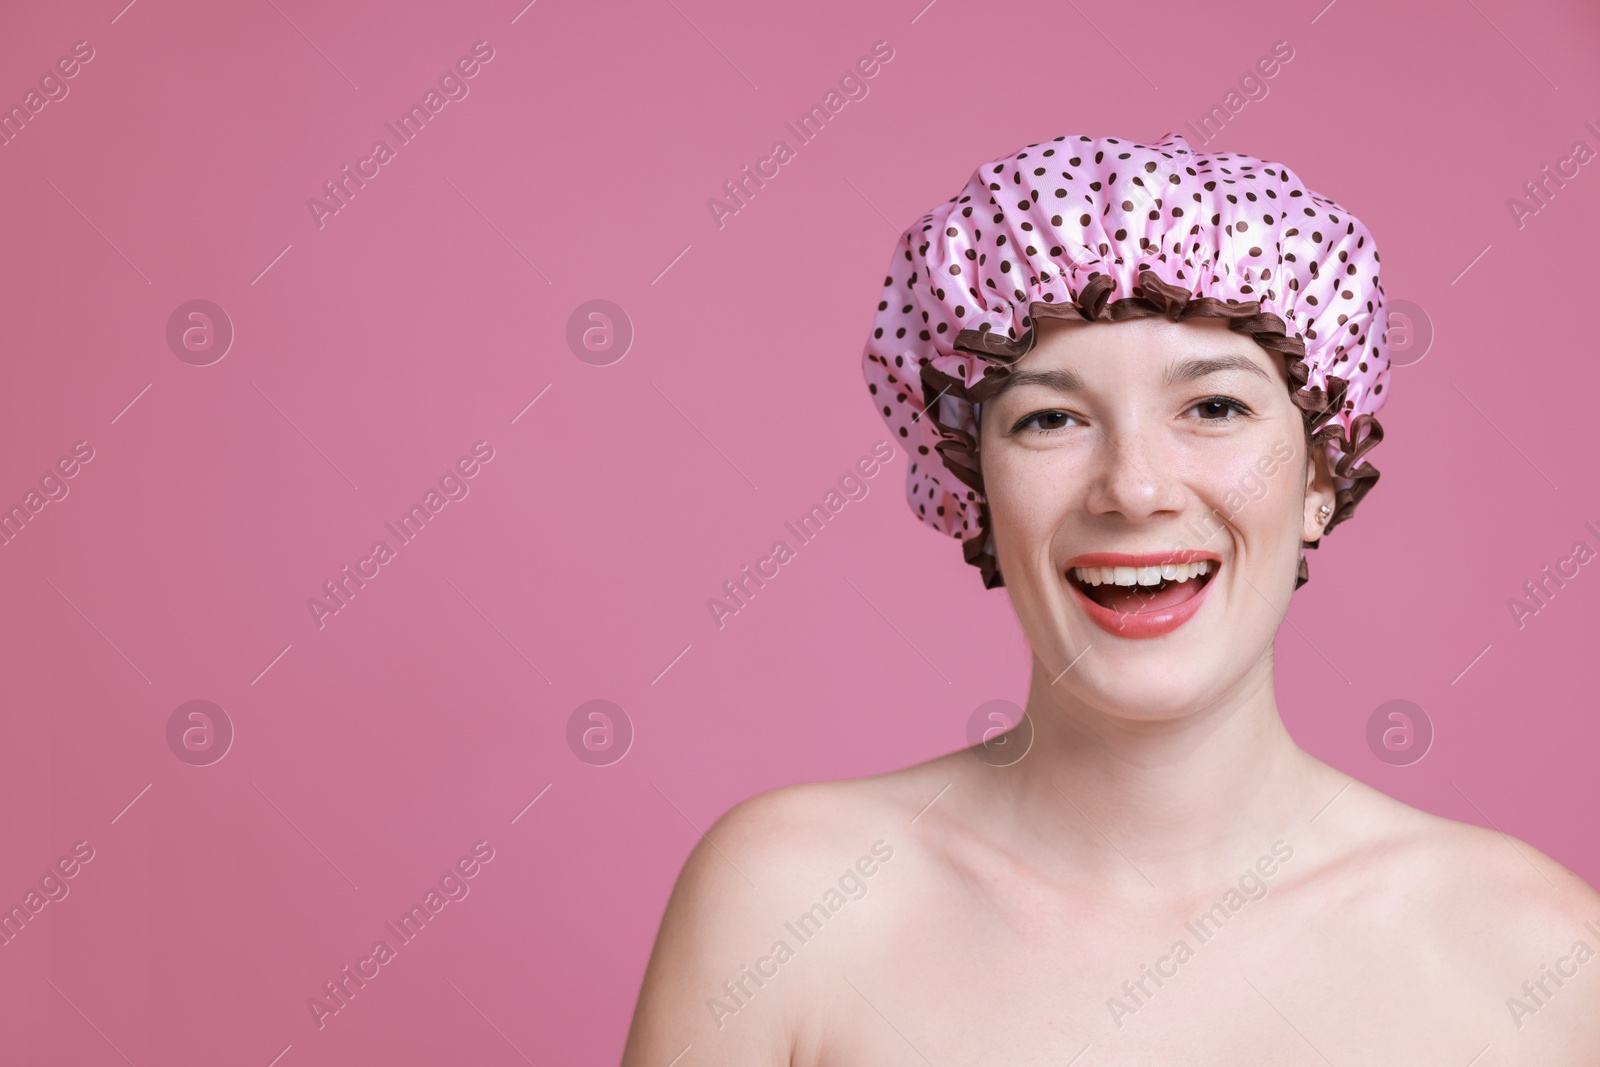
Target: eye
1043	422
1215	409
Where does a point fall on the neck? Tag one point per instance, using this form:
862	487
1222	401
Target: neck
1176	802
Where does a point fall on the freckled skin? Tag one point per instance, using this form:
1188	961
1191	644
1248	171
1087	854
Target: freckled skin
1035	911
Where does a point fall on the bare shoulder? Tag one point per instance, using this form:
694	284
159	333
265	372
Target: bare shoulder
1507	920
802	823
767	842
1480	868
756	887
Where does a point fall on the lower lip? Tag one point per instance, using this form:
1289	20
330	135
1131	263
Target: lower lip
1144	624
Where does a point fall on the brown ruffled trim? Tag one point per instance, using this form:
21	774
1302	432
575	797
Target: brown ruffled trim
1151	296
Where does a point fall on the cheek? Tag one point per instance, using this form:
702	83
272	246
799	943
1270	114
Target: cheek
1254	489
1029	495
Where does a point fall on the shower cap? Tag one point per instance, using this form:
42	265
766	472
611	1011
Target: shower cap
1107	229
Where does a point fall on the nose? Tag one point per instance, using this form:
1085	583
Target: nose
1134	476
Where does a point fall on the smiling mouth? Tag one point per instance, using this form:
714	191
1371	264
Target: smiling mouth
1140	590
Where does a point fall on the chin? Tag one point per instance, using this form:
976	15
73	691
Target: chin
1163	640
1147	685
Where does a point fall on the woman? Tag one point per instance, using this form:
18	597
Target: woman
1149	376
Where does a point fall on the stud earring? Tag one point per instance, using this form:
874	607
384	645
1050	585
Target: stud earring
1323	512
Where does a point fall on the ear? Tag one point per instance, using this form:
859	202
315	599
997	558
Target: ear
1319	492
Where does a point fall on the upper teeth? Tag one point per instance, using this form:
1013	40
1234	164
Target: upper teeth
1172	572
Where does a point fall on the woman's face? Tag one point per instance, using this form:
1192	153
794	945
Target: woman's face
1131	454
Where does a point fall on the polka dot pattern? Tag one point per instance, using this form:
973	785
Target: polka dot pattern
1107	229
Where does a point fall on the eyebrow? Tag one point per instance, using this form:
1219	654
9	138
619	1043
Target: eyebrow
1062	381
1066	381
1191	369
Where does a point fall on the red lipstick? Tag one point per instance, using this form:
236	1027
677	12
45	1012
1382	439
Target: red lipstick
1143	621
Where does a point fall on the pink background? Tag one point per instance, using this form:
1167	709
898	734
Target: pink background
372	753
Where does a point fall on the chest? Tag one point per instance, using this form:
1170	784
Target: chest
1233	980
